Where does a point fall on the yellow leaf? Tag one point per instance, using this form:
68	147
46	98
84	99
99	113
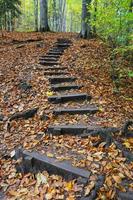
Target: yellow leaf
69	186
127	144
50	155
101	109
49	94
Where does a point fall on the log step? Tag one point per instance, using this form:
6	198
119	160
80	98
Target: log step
48	63
70	129
54	53
50	56
66	45
55	73
55	68
33	161
73	111
66	98
61	79
59	87
57	49
48	59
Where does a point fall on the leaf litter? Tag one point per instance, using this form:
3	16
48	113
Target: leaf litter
91	66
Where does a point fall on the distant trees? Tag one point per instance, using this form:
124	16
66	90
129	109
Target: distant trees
9	10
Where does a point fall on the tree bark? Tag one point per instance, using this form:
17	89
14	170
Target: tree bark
36	14
44	16
86	31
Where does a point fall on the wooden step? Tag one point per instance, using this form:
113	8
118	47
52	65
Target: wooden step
48	63
54	68
73	111
50	56
70	129
61	79
66	45
56	49
54	53
55	73
59	87
48	59
66	98
34	162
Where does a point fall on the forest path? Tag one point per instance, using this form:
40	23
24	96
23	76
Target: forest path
85	67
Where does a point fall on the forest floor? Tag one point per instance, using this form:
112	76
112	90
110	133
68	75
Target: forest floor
90	62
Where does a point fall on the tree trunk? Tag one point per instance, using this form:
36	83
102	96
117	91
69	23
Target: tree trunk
86	31
36	14
44	16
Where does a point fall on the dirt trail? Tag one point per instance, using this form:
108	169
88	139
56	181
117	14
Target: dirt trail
24	86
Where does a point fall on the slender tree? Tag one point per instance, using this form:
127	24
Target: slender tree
44	16
36	14
86	31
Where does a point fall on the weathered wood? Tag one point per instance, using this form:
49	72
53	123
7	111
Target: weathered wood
71	97
59	87
61	79
74	111
66	45
48	59
54	53
55	68
125	128
56	49
94	192
55	73
50	56
23	85
126	153
48	63
38	162
125	195
24	115
70	129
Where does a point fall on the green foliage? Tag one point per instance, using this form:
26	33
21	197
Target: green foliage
113	20
130	74
9	9
27	18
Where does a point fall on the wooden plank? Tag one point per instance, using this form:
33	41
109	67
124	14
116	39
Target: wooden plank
48	59
54	53
39	162
50	56
61	79
70	129
59	87
54	68
71	97
55	73
73	111
48	63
